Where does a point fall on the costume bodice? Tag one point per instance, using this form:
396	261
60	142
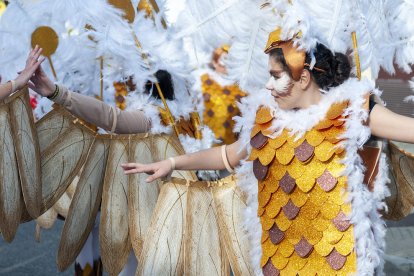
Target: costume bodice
302	198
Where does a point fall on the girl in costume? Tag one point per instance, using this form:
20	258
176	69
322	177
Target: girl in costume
220	97
310	211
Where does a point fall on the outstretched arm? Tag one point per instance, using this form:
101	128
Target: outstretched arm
90	109
210	159
33	62
386	124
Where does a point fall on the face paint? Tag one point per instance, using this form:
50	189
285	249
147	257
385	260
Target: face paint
222	60
280	85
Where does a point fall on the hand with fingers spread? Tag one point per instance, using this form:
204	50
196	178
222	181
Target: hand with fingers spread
32	65
155	170
39	81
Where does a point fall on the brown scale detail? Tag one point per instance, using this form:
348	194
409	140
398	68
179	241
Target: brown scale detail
291	210
259	170
327	181
270	270
258	141
303	248
287	183
276	235
302	206
220	108
341	222
304	152
336	260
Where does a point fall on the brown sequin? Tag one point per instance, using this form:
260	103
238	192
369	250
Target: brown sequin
226	92
341	222
260	171
287	183
303	248
259	141
276	235
209	82
210	113
120	99
304	152
290	210
327	181
206	97
270	270
336	260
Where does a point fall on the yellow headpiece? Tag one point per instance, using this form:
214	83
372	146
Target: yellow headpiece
225	48
295	59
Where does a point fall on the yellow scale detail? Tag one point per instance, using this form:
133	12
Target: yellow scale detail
319	206
220	107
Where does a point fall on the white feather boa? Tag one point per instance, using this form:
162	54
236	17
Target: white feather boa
411	97
369	229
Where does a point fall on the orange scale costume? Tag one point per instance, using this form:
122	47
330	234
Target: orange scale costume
305	245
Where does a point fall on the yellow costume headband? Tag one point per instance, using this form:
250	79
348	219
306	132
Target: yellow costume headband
295	59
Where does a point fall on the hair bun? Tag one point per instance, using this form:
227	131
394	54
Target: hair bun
335	68
341	69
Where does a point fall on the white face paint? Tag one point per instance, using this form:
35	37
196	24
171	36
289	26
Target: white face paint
222	60
280	85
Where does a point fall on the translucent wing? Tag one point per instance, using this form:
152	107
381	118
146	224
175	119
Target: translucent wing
230	203
27	150
115	245
63	156
205	252
163	249
401	201
85	205
142	196
11	203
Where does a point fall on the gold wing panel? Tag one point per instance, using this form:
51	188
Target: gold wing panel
115	245
142	196
10	191
204	248
401	202
85	205
27	150
62	161
230	203
163	249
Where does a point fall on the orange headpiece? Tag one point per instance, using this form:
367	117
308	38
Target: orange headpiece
295	59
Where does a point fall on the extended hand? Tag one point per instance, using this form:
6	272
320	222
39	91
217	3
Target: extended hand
32	64
156	170
39	81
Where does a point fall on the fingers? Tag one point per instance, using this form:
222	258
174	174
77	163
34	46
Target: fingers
155	170
34	56
37	53
158	174
131	168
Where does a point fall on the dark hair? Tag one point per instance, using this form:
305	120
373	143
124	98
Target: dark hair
165	81
335	68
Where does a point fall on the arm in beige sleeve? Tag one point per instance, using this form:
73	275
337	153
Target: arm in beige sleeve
103	115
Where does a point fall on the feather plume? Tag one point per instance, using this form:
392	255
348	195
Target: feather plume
402	31
247	63
373	36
